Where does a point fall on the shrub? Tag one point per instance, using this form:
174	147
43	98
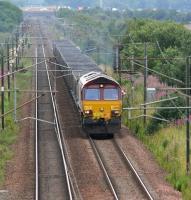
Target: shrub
168	114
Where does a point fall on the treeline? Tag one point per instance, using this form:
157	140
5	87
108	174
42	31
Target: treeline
168	44
124	4
10	16
159	14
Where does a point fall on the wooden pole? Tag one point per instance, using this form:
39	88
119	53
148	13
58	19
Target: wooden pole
2	93
188	76
8	69
145	83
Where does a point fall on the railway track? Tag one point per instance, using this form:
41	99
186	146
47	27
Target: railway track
123	185
124	182
52	177
87	175
72	131
79	150
136	174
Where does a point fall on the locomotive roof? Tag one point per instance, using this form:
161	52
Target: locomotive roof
93	76
75	59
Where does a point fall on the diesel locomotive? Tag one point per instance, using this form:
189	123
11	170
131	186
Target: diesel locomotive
97	95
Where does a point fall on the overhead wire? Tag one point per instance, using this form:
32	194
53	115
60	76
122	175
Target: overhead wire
176	105
159	73
158	45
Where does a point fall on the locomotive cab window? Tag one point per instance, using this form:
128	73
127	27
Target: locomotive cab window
111	94
92	94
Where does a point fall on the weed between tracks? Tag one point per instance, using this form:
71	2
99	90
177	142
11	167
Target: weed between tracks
9	135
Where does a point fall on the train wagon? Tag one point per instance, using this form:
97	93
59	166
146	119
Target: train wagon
97	95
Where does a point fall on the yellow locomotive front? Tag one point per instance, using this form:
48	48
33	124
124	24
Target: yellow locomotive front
102	106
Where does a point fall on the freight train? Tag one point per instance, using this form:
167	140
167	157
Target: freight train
97	95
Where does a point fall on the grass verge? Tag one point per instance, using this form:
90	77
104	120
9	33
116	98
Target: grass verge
168	144
9	135
169	148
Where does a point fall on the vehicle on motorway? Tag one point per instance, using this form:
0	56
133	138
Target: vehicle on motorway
97	95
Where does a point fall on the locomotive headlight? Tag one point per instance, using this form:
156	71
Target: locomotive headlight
101	109
115	113
88	112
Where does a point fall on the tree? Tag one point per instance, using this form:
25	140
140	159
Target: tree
10	16
166	40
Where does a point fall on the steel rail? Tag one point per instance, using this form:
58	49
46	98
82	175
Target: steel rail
58	129
103	168
69	164
134	171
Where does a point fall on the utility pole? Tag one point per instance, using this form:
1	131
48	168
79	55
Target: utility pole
132	79
117	60
8	69
119	65
188	76
98	58
145	82
16	61
15	97
117	57
2	93
12	56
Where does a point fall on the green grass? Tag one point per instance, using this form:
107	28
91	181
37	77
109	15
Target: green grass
7	138
168	144
9	135
169	147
